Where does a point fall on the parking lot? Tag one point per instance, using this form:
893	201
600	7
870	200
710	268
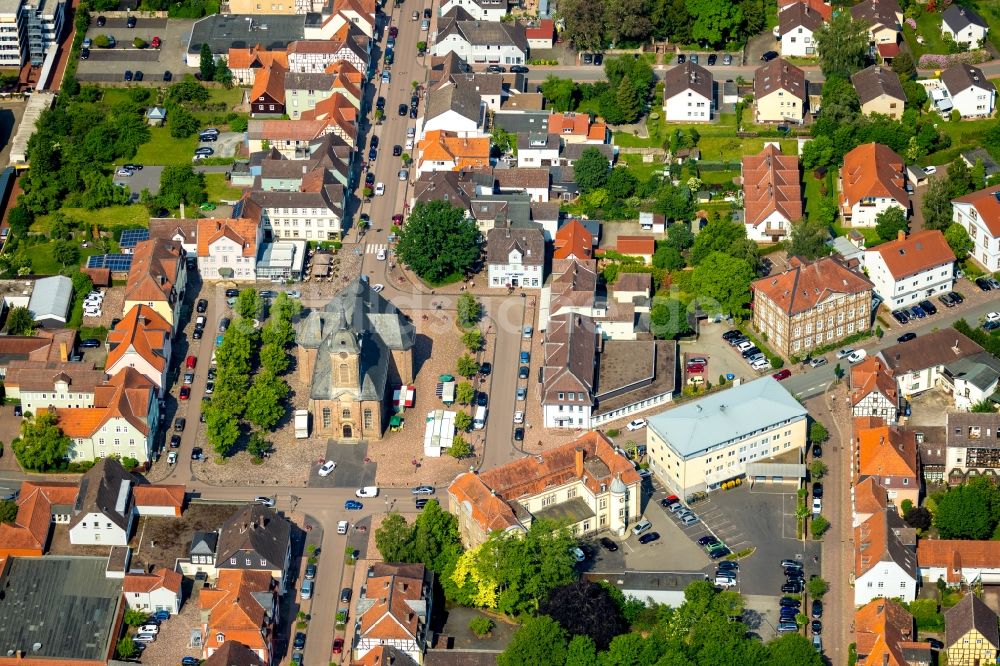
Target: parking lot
148	178
351	472
722	359
109	65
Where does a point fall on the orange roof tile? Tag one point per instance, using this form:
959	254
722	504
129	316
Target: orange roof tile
159	495
870	497
391	617
30	529
233	609
144	331
126	395
825	10
879	628
242	231
572	124
255	56
463	152
598	131
916	253
945	553
163	577
573	240
804	286
887	451
270	82
636	245
156	265
873	170
546	29
771	184
871	375
987	205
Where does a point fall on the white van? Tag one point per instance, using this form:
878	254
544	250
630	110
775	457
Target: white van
642	526
725	581
479	421
367	491
342	527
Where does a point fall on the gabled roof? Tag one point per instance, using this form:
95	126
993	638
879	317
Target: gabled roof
285	130
569	351
873	170
918	252
878	13
336	110
255	57
799	15
876	81
36	503
156	265
143	331
971	613
384	655
37	376
806	285
258	529
494	34
958	18
235	609
870	376
689	76
779	74
241	231
233	653
464	152
569	124
877	540
164	578
771	183
987	205
954	554
106	488
546	29
127	395
171	228
635	245
880	627
270	82
500	242
929	350
958	77
818	6
395	603
451	95
870	497
159	495
886	451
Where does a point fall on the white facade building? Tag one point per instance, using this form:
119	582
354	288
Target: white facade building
912	268
979	215
972	94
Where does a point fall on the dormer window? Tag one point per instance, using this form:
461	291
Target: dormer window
220	637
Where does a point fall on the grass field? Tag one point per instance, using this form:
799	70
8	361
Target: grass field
106	218
42	262
163	149
219	188
928	27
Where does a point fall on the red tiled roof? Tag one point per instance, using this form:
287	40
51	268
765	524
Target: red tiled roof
987	205
872	375
814	5
886	451
636	245
804	286
144	331
163	577
873	170
159	495
30	529
241	231
880	627
915	253
126	395
573	240
546	29
771	184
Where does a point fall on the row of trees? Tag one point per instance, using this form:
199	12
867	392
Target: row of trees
240	396
586	624
620	99
593	26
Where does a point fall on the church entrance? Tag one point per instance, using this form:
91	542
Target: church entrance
348	431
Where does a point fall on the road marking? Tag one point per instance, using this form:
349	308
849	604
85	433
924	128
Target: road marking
373	248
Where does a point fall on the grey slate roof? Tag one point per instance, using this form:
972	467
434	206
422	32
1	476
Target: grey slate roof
356	316
233	653
522	122
968	614
724	416
462	99
958	77
331	196
572	151
530	242
981	370
989	164
482	33
958	18
100	490
204	543
258	529
225	31
688	76
798	15
875	81
309	80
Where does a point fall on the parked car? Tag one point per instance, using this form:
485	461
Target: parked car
423	490
928	307
196	453
353	505
179	424
817	609
857	356
983	284
264	501
784	373
609	545
769	56
202	305
636	424
327	468
649	538
906	337
817	362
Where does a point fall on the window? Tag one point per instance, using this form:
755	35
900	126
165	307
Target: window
232	560
368	419
326	417
263	562
249	561
549	500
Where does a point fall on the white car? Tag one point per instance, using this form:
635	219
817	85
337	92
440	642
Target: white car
386	77
817	506
327	468
367	491
172	458
378	287
857	356
409	144
636	424
380	255
761	365
843	353
379	189
149	629
342	527
411	132
930	169
993	316
519	417
403	174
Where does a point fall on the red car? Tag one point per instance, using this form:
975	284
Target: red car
695	368
156	42
191	362
393	31
782	374
338	645
397	219
185	392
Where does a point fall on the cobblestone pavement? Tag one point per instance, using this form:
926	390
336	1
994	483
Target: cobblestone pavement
173	643
111	308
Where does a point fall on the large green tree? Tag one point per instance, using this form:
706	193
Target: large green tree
890	222
8	511
438	241
587	609
248	304
726	236
584	23
20	321
968	511
937	206
715	22
207	63
722	283
842	44
42	445
793	649
265	401
591	170
958	240
539	641
808	239
668	319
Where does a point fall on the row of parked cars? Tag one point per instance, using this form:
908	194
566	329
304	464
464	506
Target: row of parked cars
712	59
750	352
925	308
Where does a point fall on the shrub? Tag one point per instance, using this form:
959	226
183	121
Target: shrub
819	526
481	626
939	61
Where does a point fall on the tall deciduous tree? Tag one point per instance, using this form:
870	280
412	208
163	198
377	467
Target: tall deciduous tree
808	239
668	319
20	321
468	310
890	222
222	430
248	304
793	649
724	236
714	22
438	242
591	170
42	445
958	240
266	400
584	23
937	206
722	283
966	512
585	608
539	641
842	44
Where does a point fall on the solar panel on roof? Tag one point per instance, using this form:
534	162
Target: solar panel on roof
116	263
132	236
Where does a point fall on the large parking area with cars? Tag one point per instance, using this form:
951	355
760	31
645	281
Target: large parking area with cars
108	65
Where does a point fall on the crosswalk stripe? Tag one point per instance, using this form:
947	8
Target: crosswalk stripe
373	248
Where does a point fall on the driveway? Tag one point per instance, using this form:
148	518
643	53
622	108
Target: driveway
226	145
109	65
917	199
148	178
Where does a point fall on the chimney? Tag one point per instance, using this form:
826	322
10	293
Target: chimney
578	453
900	235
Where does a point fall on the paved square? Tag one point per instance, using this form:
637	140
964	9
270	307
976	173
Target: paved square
351	472
109	65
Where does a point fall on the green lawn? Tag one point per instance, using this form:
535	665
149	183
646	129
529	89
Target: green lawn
42	262
990	11
642	170
219	189
106	218
163	149
928	27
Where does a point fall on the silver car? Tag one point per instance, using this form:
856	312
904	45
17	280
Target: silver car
689	519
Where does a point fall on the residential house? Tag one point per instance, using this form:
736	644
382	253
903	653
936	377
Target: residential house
884	636
394	608
290	137
879	91
159	499
455	106
810	305
919	365
873	391
478	10
158	278
822	8
141	340
959	562
243	606
797	25
538	149
350	352
40	504
884	562
872	180
201	555
339	115
44	385
971	636
574	241
515	258
884	19
568	370
152	592
688	94
305	91
972	445
315	56
779	90
972	380
103	512
312	212
445	151
911	268
183	231
702	443
520	180
772	194
479	42
360	14
541	36
267	95
964	26
234	653
972	94
578	128
227	248
587	482
122	419
45	346
255	539
979	215
244	63
642	247
869	498
888	453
